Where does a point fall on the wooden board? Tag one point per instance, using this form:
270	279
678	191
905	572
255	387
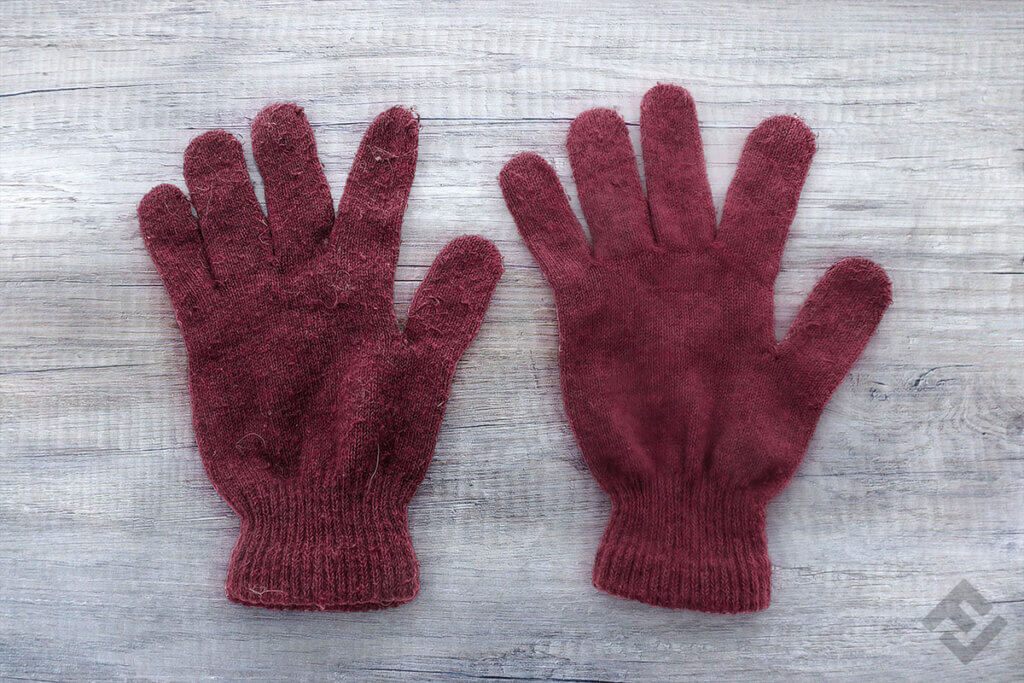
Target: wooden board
113	545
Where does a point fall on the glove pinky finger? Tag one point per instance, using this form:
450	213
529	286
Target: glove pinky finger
449	306
172	237
545	219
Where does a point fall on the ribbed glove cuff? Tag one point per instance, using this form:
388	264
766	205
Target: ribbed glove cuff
331	554
696	549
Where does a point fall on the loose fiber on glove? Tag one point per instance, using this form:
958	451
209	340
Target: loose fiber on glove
688	412
315	413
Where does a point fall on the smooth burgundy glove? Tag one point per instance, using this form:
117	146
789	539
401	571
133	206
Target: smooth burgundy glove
316	415
689	413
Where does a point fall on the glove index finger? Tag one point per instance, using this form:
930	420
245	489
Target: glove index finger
762	198
368	225
449	306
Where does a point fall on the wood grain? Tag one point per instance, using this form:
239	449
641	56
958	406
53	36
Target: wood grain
113	545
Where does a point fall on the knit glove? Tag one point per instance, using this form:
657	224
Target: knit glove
315	413
689	414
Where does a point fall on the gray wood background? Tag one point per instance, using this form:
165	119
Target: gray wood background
113	545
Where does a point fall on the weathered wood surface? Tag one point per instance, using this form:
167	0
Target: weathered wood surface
113	545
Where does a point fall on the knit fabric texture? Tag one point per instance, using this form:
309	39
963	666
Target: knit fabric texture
688	412
315	413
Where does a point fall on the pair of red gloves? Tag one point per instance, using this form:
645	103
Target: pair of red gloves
316	414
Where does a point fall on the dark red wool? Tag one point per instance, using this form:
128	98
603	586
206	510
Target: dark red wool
316	415
688	412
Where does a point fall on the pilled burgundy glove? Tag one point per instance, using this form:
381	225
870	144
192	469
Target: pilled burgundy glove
316	415
688	412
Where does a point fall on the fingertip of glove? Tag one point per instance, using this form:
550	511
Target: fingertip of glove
210	150
784	138
397	122
522	161
159	203
213	140
520	168
279	112
275	122
863	275
599	124
666	95
475	251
